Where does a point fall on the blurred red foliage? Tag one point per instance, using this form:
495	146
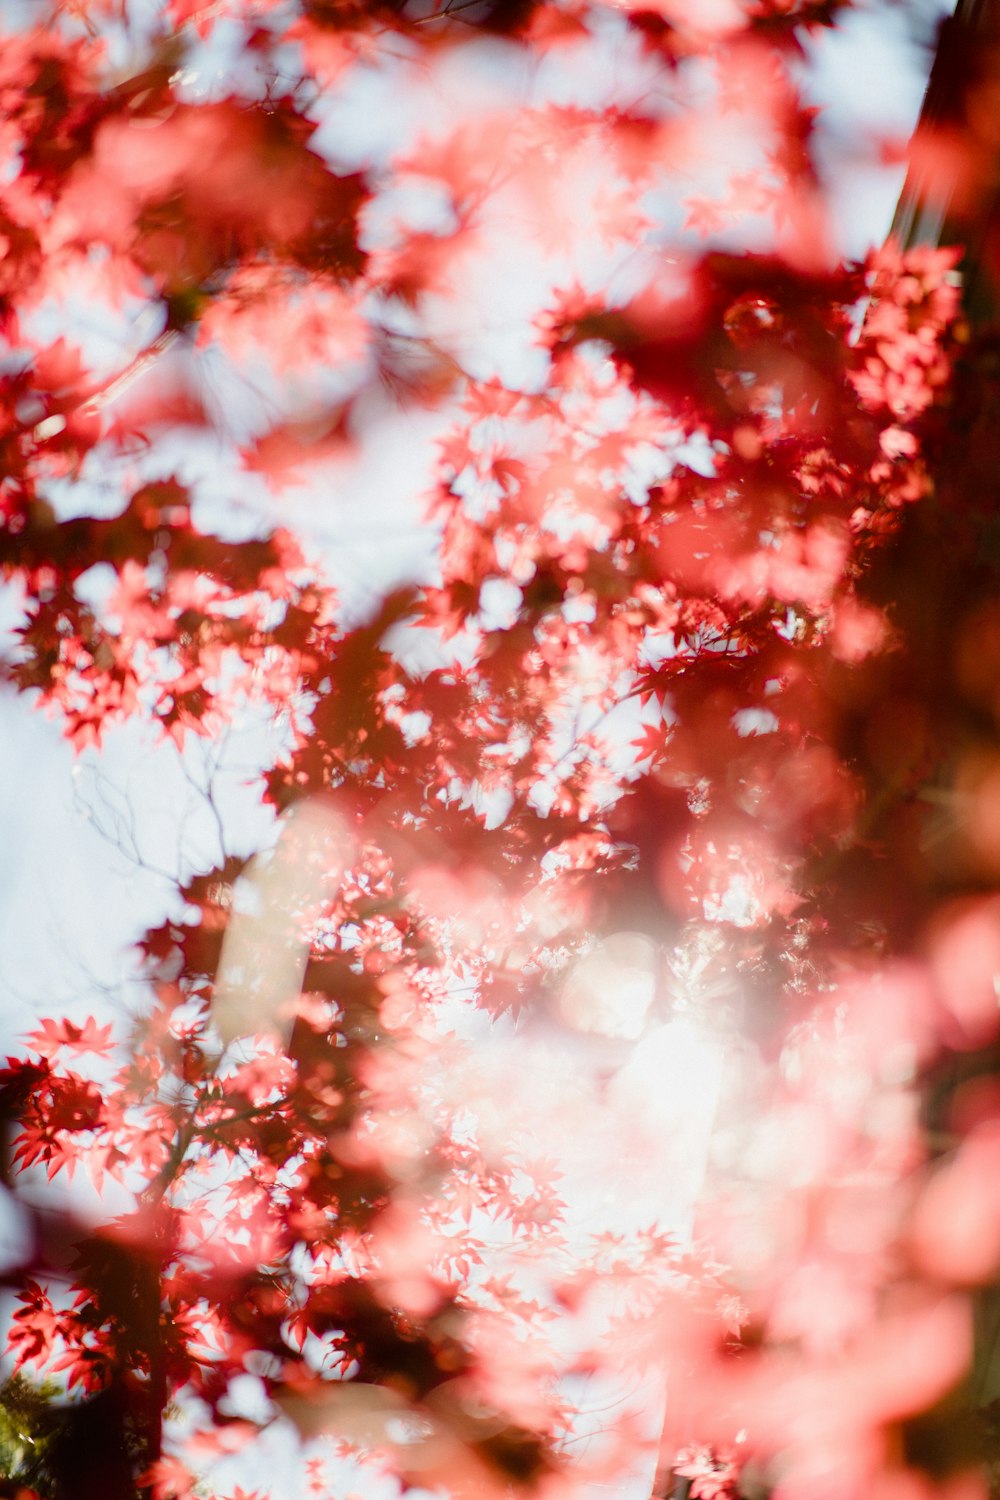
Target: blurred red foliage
688	746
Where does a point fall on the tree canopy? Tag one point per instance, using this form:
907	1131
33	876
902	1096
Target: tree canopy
587	1084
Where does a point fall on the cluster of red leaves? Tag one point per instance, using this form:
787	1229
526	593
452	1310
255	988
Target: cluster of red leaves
629	747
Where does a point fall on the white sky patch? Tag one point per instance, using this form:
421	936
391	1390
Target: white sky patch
751	721
868	74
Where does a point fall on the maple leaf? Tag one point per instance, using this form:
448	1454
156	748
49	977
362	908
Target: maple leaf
168	1479
652	740
85	1367
57	1034
35	1326
704	216
713	1474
